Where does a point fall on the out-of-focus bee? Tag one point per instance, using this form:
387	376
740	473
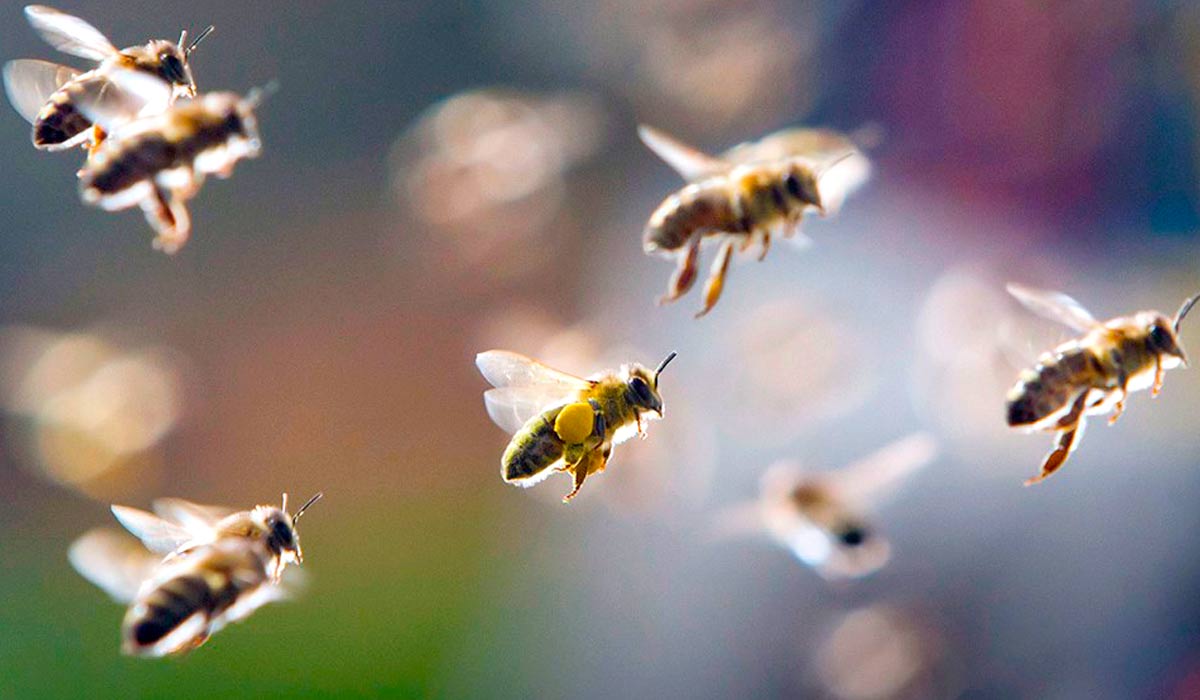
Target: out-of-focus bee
1092	374
819	516
564	423
48	95
749	195
160	161
206	567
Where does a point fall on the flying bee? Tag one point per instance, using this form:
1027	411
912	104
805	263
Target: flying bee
820	518
206	567
160	161
1091	374
47	95
746	197
564	423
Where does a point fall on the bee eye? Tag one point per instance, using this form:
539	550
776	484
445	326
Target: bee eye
793	186
1159	337
172	68
642	390
281	532
853	536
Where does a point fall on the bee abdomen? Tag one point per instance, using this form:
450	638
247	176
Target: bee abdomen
698	207
167	607
60	122
137	161
1050	386
533	449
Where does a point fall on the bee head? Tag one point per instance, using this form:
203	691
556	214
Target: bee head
1163	339
801	184
642	387
280	528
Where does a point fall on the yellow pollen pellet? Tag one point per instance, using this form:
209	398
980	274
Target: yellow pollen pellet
574	423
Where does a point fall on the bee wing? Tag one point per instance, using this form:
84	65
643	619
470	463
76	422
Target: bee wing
30	83
112	561
1054	306
877	474
159	536
689	162
511	407
69	34
122	97
193	517
504	369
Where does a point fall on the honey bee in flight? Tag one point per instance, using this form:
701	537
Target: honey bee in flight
1091	374
746	197
47	95
160	161
820	517
206	567
563	423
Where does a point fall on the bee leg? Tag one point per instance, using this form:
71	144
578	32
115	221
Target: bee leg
766	246
1070	430
1159	374
685	271
1119	408
169	218
716	277
593	461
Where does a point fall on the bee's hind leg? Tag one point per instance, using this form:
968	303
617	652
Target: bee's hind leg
1159	374
716	277
592	462
1070	430
685	271
168	216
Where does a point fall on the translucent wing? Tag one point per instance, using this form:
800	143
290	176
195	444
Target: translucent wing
193	517
158	535
1054	306
30	83
879	473
504	369
122	97
112	561
814	144
69	34
511	407
689	162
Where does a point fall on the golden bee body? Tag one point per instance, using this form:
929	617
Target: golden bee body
1092	374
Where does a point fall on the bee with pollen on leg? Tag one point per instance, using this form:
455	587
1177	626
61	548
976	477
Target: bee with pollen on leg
48	95
563	423
1092	374
206	567
751	194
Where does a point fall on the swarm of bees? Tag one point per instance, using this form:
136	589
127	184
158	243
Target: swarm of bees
150	139
202	567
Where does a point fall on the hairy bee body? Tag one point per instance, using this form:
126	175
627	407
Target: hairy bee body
1117	356
194	596
539	443
748	200
60	124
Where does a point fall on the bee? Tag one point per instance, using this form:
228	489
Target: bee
746	197
1091	374
563	423
206	567
160	161
820	518
47	95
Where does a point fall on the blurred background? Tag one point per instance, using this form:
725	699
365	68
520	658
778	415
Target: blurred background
444	178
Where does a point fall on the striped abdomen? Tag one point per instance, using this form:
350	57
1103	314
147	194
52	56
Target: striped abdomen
701	207
60	124
1053	384
196	590
186	133
533	449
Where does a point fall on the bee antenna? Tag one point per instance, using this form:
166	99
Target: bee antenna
662	365
195	42
284	506
314	499
1184	309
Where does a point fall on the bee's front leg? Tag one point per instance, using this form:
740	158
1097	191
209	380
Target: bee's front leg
1070	430
1159	374
716	277
685	271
